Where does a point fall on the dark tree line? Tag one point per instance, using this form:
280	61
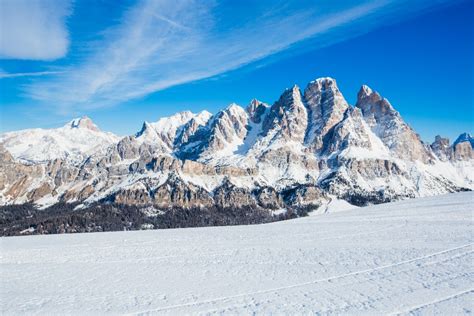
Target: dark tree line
64	218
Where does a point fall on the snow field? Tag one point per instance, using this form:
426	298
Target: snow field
409	257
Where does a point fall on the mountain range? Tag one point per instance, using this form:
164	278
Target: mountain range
307	148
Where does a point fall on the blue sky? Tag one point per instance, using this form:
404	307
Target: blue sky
123	62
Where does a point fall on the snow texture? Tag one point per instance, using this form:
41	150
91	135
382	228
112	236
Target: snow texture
409	257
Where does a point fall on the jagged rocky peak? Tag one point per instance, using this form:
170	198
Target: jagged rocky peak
232	117
234	109
441	141
464	137
83	122
373	105
224	130
352	131
288	116
232	122
146	141
389	126
191	127
167	127
312	140
169	132
146	128
182	116
463	147
442	148
202	117
256	109
288	99
326	106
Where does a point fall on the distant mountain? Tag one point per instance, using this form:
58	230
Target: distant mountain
308	147
464	137
73	142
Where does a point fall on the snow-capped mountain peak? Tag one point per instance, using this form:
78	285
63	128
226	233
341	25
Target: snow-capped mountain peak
167	127
389	126
74	142
83	122
292	153
256	109
463	147
464	137
203	116
234	109
326	107
366	89
147	133
370	101
287	118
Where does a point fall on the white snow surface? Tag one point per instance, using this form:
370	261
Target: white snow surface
333	205
408	257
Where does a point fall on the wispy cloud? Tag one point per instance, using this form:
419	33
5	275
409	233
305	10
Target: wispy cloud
5	75
160	44
33	29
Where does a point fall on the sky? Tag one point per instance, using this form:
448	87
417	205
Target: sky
125	62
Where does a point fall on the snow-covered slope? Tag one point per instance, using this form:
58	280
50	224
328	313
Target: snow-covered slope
412	257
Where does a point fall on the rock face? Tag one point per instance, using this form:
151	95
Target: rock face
288	117
463	151
295	154
350	132
255	110
463	147
389	126
326	106
190	128
442	148
465	137
222	133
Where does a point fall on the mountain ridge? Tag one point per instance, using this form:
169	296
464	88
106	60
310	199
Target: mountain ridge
307	147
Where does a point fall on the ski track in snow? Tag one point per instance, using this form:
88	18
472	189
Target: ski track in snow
413	257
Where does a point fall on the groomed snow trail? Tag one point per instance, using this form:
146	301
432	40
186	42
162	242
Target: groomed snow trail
409	257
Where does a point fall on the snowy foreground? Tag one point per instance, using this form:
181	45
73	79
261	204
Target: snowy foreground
407	257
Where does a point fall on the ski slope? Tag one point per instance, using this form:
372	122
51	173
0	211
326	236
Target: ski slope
409	257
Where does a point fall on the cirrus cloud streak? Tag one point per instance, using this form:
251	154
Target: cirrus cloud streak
160	44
